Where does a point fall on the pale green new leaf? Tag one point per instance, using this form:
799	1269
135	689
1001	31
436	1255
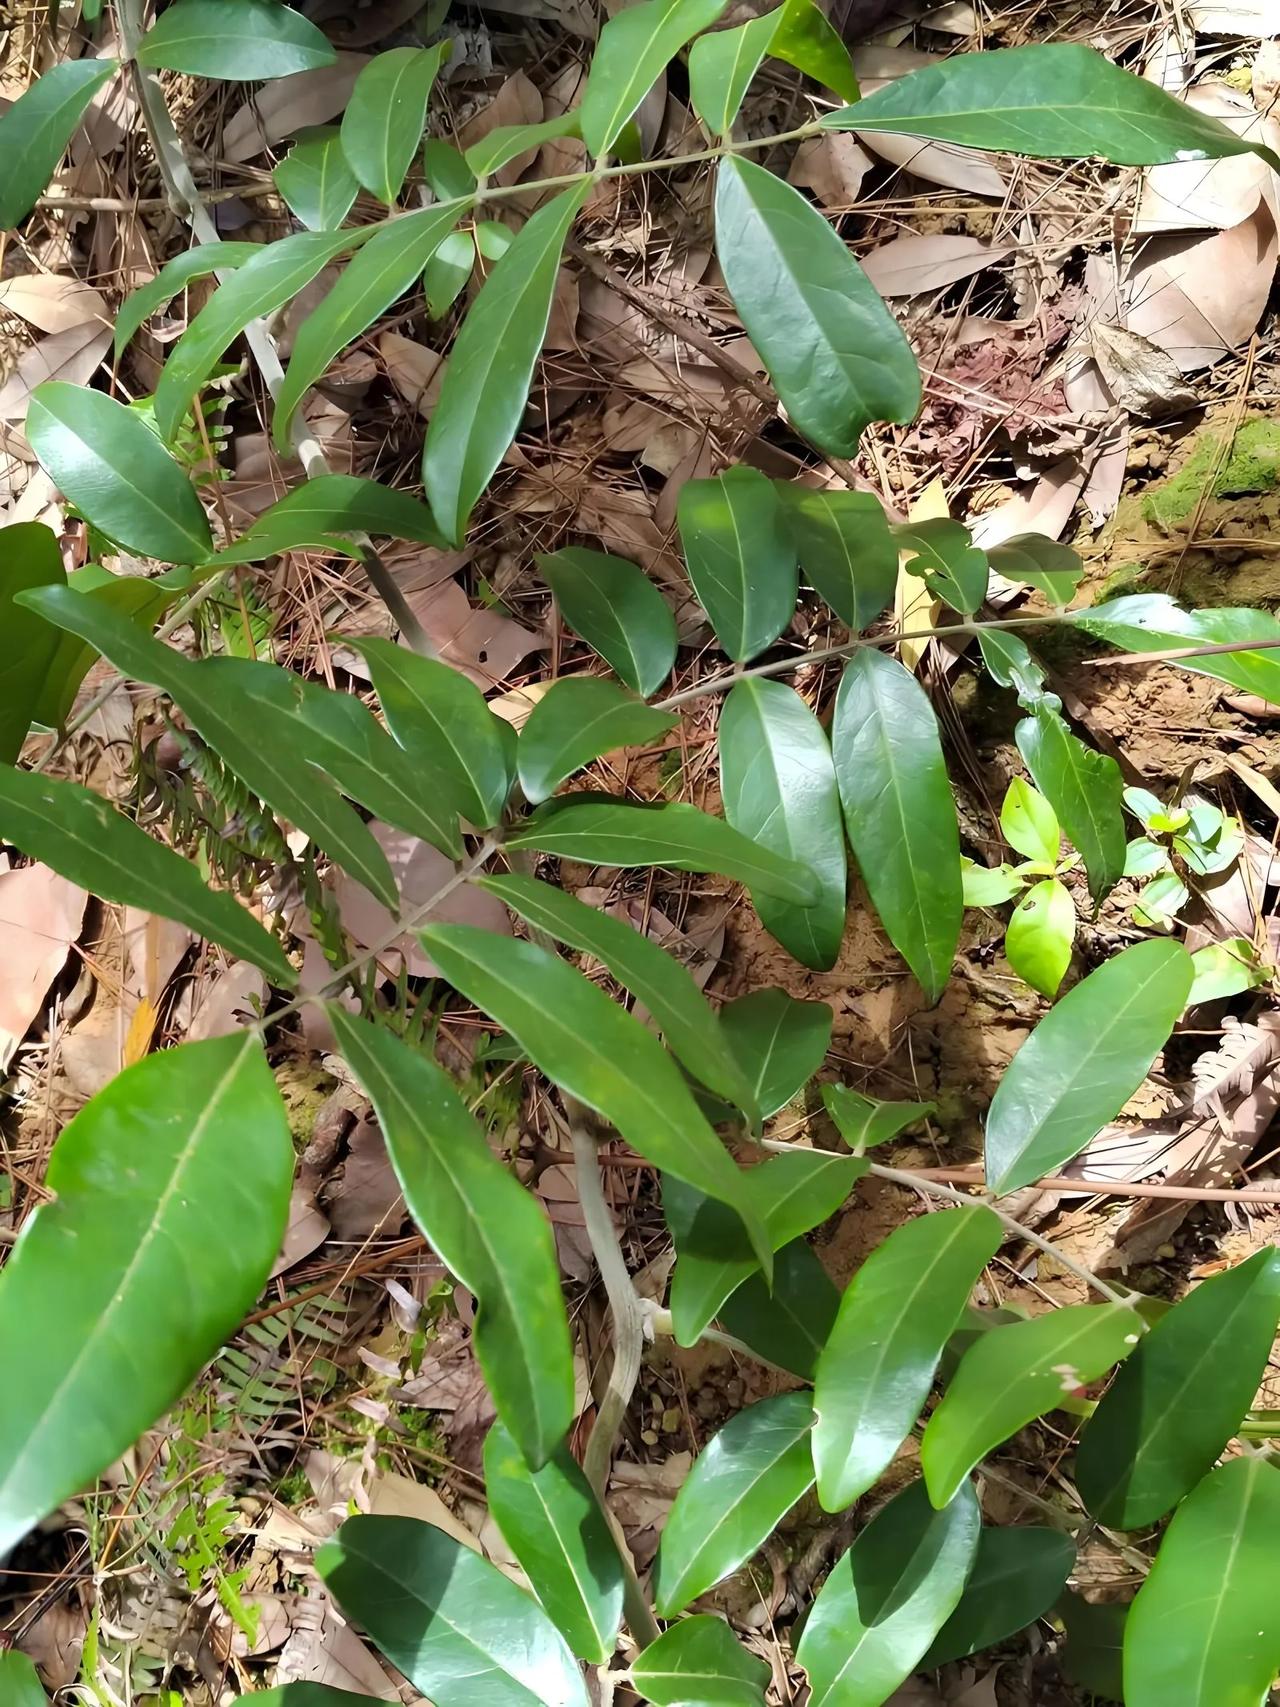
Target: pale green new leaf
383	123
577	720
107	461
315	180
1029	823
19	1685
80	836
1084	1061
240	41
447	272
371	281
634	48
596	1052
806	38
174	276
491	366
1057	100
481	1222
836	355
616	609
778	785
899	811
741	560
700	1660
129	1280
1041	930
447	1618
38	126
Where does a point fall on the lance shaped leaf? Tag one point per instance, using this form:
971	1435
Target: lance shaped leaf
1017	1576
779	1041
577	720
488	1230
382	125
1084	1061
240	41
175	275
741	562
634	49
1084	788
38	126
316	181
126	1283
846	550
29	557
864	1121
1152	622
788	1323
616	609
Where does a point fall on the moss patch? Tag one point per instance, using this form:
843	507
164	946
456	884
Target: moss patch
1251	467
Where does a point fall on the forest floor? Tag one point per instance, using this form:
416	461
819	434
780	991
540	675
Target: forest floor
354	1384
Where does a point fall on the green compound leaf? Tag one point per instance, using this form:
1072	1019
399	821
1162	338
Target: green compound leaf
576	720
81	837
847	552
126	1283
491	366
741	561
1084	1061
35	131
460	1195
899	811
1179	1399
778	785
1013	1374
1204	1630
599	1054
1054	101
887	1598
878	1365
383	123
316	181
107	461
445	1617
741	1486
634	48
1017	1577
700	1659
836	355
616	609
240	41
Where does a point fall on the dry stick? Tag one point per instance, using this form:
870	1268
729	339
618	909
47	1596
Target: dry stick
1174	653
1113	1188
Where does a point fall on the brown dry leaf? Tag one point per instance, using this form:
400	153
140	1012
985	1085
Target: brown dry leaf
72	356
622	521
367	1199
420	870
936	162
516	707
305	1231
52	303
396	1496
290	104
1211	194
914	606
558	1189
916	264
1234	17
230	1000
54	1642
562	328
416	371
40	917
1046	509
1199	298
1140	376
323	1648
485	645
516	102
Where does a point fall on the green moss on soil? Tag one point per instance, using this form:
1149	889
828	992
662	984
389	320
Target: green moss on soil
1251	467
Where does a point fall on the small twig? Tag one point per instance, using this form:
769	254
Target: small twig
1174	653
1112	1188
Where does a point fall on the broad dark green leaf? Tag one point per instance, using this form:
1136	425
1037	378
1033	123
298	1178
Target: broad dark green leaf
621	833
371	281
260	286
741	561
341	503
104	457
315	180
846	551
491	366
741	1486
878	1364
1094	1653
19	1685
1051	568
945	558
509	141
778	786
1181	1396
1017	1576
899	811
836	355
308	1695
553	1524
787	1324
1012	1375
700	1660
887	1598
383	123
143	601
80	836
792	1193
596	1052
482	1223
575	721
1204	1629
1083	1062
29	557
1041	930
656	978
440	718
447	272
128	1281
1084	788
864	1122
174	276
241	41
1152	622
447	171
459	1630
270	762
1057	100
634	49
779	1041
38	126
616	609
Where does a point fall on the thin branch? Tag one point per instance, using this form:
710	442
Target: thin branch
1114	1188
1172	654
